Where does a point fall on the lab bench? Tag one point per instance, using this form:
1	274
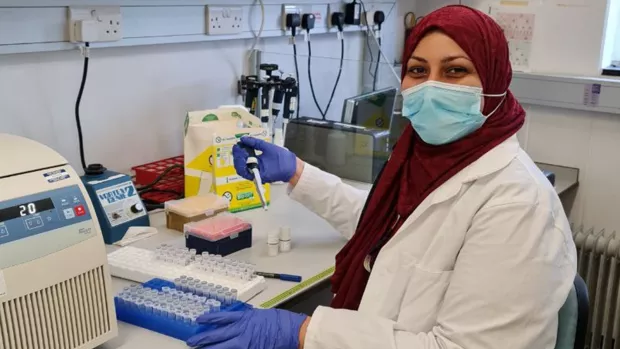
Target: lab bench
315	244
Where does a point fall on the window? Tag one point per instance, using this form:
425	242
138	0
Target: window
611	43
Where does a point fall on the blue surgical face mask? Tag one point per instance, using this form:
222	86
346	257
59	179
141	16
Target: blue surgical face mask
442	113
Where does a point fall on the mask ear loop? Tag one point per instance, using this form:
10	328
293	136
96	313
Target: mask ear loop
503	95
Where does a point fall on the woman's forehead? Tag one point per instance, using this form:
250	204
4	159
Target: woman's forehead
437	46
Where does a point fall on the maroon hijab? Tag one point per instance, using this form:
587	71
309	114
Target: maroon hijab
415	168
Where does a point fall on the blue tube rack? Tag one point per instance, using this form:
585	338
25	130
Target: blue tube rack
161	323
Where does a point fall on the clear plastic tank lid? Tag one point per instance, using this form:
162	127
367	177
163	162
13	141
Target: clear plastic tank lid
208	204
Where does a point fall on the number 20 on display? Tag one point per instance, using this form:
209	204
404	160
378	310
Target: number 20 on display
27	209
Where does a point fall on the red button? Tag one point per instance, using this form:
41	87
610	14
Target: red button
79	210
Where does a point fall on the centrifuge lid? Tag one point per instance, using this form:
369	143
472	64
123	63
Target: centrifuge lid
22	155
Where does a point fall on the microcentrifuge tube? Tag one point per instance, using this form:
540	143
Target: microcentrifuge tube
121	299
220	296
235	294
216	306
156	308
228	298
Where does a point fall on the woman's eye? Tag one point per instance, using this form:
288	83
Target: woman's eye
457	71
417	70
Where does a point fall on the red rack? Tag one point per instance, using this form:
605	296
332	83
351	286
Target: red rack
172	181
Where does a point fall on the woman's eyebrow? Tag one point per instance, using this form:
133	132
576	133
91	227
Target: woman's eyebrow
444	60
452	58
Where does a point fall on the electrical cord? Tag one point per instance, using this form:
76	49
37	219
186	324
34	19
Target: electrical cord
297	77
368	30
316	102
371	55
158	179
331	98
152	205
79	101
262	26
374	77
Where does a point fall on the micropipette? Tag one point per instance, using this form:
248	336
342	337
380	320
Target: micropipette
252	165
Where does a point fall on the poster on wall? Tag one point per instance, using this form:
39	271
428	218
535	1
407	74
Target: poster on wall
518	25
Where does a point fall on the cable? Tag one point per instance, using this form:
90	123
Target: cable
297	77
293	21
331	98
262	26
371	55
374	77
397	76
159	178
368	30
316	102
78	102
378	18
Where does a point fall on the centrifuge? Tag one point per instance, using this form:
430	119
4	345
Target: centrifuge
55	286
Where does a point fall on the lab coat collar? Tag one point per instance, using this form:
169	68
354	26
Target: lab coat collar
491	162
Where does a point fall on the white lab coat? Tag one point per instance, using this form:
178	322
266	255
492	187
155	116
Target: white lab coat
485	261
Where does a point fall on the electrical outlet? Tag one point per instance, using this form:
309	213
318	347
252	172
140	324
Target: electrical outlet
286	9
223	20
331	8
302	9
95	24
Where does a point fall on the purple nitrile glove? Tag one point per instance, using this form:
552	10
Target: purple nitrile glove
275	164
251	329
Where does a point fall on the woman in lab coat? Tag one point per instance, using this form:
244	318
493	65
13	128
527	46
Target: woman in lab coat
461	244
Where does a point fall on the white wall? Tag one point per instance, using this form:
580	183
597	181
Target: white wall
136	97
587	140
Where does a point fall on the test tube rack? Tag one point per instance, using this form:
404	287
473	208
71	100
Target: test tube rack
161	319
140	265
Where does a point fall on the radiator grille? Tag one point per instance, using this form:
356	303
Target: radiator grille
598	255
64	316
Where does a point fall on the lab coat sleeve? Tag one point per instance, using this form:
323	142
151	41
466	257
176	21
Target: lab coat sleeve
510	279
326	195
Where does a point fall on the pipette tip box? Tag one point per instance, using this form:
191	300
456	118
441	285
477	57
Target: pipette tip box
221	235
193	209
165	323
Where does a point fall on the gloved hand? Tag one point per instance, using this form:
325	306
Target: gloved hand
274	164
251	329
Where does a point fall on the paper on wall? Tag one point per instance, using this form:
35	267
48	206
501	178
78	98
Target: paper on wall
518	27
591	94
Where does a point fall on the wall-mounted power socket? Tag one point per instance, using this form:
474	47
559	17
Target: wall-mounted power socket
222	20
368	18
331	8
287	9
303	9
95	24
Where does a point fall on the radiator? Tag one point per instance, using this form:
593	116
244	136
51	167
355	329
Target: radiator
598	255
